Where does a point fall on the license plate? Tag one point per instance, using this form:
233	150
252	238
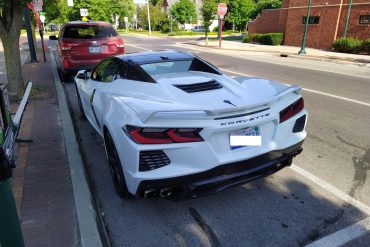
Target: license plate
94	49
245	137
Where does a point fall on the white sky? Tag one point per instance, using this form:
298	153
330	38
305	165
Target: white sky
139	1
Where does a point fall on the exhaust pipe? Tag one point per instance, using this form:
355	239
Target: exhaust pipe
150	193
166	192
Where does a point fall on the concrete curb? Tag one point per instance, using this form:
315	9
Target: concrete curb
86	215
279	53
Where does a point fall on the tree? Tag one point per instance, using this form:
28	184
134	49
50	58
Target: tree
156	16
239	12
10	29
264	4
184	11
208	10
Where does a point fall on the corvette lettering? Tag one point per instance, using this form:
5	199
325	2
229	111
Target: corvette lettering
245	120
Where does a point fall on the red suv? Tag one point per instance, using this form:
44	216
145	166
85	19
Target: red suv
81	45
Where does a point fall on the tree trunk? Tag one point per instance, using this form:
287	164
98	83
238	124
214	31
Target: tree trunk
13	62
10	30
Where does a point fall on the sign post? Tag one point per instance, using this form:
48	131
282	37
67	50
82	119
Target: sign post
221	10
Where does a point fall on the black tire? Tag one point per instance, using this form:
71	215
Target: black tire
115	167
64	77
83	115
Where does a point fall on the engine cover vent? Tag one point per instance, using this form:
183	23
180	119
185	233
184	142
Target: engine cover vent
199	87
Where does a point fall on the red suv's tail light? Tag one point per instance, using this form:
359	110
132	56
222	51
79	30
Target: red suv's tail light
164	135
65	47
291	110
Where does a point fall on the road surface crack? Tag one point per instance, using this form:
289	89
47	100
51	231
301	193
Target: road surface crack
205	227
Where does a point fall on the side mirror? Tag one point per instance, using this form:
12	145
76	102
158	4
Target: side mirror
53	37
83	76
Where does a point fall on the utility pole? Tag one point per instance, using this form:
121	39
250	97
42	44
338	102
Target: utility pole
150	29
303	46
347	19
29	35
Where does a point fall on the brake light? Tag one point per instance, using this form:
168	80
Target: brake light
164	135
291	110
65	47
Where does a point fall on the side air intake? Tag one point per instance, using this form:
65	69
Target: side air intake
199	87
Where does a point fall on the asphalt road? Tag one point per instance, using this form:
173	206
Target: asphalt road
285	209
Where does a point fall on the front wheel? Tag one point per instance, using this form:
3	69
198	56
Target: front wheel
115	167
83	115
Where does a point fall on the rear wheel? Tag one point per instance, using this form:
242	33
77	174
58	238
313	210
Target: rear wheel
115	167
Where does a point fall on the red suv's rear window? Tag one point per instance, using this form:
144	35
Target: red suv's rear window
88	32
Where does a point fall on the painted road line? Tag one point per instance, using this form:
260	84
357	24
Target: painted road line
138	47
325	185
344	236
312	91
337	97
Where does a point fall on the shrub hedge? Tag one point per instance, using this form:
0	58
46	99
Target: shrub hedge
265	39
352	45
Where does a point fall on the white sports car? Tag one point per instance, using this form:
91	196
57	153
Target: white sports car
174	124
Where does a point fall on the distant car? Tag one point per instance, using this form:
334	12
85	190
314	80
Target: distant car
53	27
198	29
171	123
81	45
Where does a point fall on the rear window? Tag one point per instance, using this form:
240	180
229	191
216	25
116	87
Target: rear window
88	32
178	66
167	67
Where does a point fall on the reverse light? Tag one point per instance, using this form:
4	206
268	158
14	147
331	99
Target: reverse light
291	110
120	45
164	135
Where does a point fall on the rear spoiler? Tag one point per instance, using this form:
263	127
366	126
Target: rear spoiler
145	115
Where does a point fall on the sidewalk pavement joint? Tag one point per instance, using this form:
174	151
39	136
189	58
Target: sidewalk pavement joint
86	214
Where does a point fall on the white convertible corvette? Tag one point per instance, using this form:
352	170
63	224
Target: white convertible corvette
173	123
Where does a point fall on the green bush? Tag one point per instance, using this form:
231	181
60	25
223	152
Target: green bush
265	39
348	45
366	47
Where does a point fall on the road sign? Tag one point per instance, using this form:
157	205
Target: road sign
70	3
42	18
37	5
84	12
222	10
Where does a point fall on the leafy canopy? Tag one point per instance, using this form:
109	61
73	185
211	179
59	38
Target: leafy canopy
184	11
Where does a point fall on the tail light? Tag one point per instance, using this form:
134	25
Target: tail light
291	110
65	47
120	45
164	135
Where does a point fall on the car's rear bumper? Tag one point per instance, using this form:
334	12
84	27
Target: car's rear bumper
223	176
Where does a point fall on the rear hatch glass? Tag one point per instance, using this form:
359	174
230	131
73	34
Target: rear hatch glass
88	32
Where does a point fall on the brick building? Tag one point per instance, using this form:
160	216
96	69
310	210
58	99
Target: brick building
326	23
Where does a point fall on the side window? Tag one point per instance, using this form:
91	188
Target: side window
106	71
132	71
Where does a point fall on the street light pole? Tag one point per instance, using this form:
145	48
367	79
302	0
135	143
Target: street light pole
150	29
303	46
347	19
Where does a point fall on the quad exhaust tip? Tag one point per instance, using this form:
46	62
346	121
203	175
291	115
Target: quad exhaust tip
158	193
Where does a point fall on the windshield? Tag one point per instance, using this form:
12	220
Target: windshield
88	32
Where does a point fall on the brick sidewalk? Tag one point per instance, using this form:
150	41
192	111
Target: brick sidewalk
42	186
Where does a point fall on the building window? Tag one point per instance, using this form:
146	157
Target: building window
311	20
364	19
